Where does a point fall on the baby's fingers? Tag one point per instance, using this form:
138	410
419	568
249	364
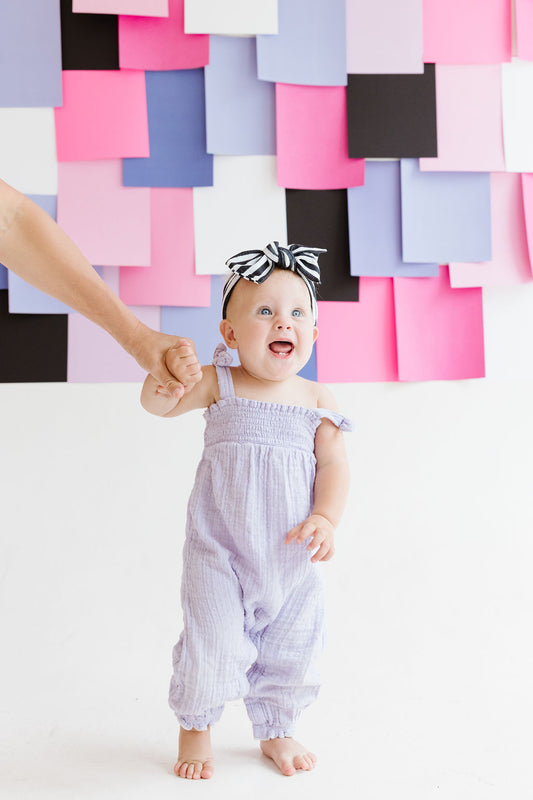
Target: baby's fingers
300	532
324	552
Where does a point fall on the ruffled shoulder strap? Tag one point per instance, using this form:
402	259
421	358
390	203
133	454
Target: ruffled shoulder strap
342	422
221	360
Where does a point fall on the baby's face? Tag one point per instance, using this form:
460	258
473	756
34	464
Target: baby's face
271	325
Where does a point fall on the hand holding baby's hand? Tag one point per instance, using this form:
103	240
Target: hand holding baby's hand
320	531
181	360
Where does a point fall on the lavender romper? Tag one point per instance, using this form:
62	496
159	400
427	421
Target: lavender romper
252	605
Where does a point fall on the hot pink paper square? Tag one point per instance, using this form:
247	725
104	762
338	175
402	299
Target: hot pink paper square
357	341
160	44
104	115
439	329
109	222
171	279
312	139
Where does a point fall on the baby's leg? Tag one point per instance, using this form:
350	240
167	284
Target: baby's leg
284	679
211	657
195	757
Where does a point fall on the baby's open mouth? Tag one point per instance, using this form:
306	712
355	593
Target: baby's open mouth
281	349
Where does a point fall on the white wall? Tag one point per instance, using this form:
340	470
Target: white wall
428	670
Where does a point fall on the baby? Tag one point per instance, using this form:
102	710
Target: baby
269	492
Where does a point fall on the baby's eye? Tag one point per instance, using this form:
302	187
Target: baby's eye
265	311
297	313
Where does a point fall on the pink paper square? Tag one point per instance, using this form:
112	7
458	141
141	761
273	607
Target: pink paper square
524	29
94	356
109	222
152	8
527	195
104	115
171	279
467	31
312	139
510	258
357	341
469	120
160	44
439	329
384	36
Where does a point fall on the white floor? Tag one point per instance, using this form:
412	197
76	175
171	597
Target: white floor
429	669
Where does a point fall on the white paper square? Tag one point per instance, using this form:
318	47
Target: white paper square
231	17
244	210
28	158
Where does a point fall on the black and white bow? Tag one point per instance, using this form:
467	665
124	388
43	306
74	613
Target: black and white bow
257	265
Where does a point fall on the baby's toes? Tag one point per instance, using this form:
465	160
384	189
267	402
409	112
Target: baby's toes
305	762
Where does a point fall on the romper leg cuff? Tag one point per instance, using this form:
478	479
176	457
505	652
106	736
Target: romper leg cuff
200	722
265	732
270	721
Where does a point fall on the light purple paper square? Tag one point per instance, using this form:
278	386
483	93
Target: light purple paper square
30	47
445	215
375	226
240	108
310	48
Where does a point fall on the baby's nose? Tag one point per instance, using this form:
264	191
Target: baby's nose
283	324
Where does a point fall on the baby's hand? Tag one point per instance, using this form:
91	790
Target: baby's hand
321	532
181	360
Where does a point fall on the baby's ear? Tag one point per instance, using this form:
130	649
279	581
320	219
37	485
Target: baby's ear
227	334
315	334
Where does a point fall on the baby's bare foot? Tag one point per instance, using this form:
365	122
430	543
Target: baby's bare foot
195	759
288	755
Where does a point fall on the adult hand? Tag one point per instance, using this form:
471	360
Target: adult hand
171	360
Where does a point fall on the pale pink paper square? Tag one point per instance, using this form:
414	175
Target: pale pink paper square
439	329
109	222
149	8
171	279
160	44
524	29
94	356
384	36
104	115
510	258
357	341
527	195
469	120
467	31
312	139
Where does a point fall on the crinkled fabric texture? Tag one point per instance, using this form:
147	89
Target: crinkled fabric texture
253	606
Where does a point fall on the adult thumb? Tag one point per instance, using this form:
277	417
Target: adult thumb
172	386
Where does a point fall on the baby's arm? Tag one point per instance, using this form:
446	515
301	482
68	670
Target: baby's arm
331	487
157	400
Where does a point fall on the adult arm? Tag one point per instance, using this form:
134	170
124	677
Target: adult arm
40	252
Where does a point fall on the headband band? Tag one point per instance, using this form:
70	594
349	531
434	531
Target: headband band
257	265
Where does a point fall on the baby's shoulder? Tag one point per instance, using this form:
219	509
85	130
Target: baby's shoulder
319	395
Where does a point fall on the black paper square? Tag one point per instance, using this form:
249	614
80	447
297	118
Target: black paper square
392	116
88	41
33	347
320	219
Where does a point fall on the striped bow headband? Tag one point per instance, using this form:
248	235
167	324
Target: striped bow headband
257	265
